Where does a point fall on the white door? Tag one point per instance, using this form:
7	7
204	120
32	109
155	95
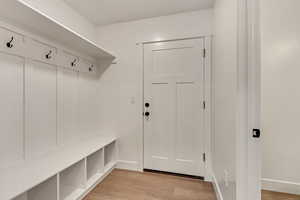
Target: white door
173	106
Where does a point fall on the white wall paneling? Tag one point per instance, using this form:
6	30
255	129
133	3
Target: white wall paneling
11	117
41	108
88	105
50	114
68	106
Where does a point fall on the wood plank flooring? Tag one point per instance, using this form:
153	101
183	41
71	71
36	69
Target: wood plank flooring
127	185
268	195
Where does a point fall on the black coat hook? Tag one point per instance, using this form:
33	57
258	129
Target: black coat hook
73	64
9	44
48	55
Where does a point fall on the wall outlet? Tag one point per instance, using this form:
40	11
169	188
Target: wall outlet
226	177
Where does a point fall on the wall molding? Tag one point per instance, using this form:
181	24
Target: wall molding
216	187
281	186
128	165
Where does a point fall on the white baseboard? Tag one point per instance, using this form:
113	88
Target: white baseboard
281	186
216	187
128	165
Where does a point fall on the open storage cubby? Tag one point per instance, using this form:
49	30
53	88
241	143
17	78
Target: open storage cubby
72	181
95	166
110	155
45	191
77	169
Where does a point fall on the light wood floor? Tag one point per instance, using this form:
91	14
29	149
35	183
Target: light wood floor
267	195
127	185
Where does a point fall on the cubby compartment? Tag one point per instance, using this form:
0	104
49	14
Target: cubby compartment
110	154
72	181
95	166
45	191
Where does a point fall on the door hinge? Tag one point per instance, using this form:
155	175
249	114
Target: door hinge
204	104
204	53
204	157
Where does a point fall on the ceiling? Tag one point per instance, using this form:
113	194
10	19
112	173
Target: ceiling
103	12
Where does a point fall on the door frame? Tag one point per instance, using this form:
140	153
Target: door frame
248	115
207	96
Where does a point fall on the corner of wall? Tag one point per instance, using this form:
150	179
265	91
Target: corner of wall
216	187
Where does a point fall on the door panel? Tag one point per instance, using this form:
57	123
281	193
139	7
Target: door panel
162	125
173	86
189	132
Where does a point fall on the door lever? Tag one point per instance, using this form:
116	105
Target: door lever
256	133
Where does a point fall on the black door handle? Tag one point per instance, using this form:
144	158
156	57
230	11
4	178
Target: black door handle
147	105
147	114
256	133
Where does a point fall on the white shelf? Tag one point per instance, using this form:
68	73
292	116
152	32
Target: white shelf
23	15
36	171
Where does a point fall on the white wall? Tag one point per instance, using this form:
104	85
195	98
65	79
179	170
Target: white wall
122	83
64	14
225	95
280	94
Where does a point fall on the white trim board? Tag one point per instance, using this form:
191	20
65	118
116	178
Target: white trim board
128	165
280	186
216	187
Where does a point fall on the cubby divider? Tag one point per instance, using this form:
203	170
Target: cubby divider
95	166
110	155
72	181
